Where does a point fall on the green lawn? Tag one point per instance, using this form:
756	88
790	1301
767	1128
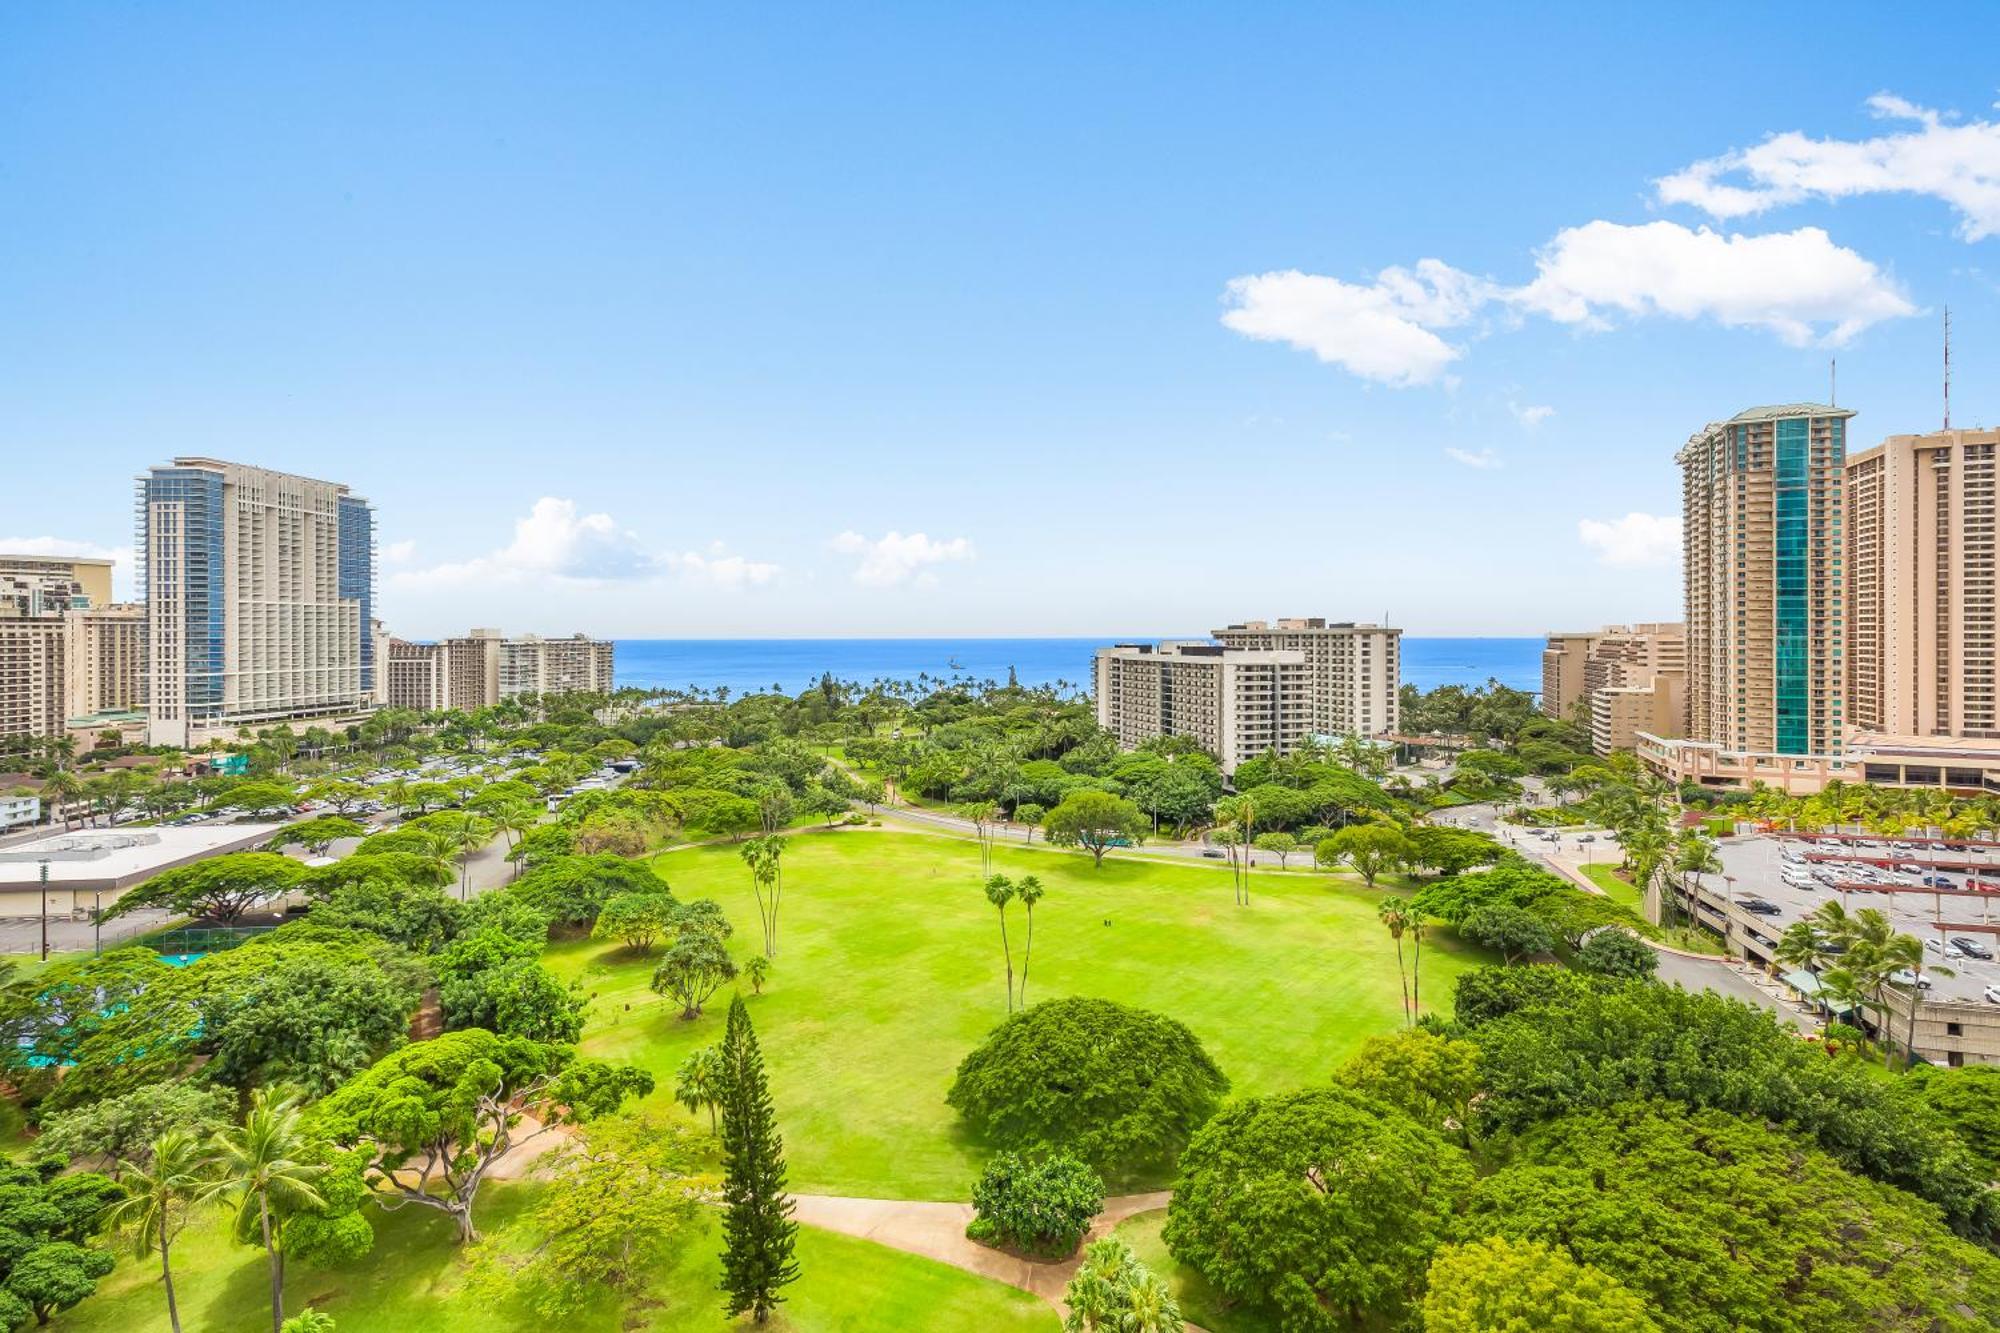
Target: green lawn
414	1282
1622	891
1200	1303
889	971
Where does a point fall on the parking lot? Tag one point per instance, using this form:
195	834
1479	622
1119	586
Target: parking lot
1753	869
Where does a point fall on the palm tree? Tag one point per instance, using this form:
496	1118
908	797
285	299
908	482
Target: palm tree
761	855
1000	892
1905	953
262	1164
1239	814
1416	932
439	850
1394	913
698	1082
1029	891
161	1197
1802	946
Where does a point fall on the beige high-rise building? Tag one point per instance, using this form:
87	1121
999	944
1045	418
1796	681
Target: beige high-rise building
259	588
531	664
1923	575
32	698
1236	703
1762	503
104	660
41	585
1355	672
473	669
1618	681
417	675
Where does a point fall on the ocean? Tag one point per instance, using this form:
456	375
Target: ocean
749	665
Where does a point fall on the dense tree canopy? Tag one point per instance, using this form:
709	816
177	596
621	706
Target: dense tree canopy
1554	1041
1118	1087
1721	1223
1320	1207
1497	1285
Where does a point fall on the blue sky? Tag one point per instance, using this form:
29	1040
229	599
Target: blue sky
651	320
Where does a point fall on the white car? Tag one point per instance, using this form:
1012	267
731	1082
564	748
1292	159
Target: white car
1905	977
1993	995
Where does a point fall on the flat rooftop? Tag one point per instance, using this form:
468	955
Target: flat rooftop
120	857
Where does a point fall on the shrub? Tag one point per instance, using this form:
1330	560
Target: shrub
1113	1290
1041	1207
1613	953
1118	1087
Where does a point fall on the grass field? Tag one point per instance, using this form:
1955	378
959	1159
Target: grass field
415	1281
889	971
1621	891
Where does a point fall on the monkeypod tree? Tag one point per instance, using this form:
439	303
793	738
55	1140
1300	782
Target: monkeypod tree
1320	1208
1120	1088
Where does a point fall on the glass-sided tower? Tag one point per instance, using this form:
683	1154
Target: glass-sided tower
1762	503
259	586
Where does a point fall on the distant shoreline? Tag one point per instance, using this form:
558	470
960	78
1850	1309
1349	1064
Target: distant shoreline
752	665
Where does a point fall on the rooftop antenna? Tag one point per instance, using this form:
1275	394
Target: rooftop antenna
1947	367
1833	381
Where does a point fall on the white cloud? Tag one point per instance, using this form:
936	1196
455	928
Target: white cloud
124	580
399	553
719	568
896	558
554	543
1942	158
1636	539
1531	416
1384	331
1485	460
1798	284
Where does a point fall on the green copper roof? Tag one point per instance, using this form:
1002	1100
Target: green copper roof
1778	410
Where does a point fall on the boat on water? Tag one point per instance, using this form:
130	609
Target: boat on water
955	664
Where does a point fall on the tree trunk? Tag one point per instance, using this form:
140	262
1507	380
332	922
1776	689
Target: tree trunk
1027	956
1403	976
1007	952
167	1277
277	1262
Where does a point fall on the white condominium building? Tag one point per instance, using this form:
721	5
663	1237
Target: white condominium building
1356	677
260	589
534	665
1236	703
480	668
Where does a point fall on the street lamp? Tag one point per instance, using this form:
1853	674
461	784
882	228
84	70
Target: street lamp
45	909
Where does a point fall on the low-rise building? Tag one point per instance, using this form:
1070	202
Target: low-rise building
19	811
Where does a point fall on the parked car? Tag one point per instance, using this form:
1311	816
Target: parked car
1971	948
1588	837
1938	882
1910	869
1905	977
1993	994
1760	906
1214	853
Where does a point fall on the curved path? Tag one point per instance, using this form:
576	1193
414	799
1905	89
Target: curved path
937	1231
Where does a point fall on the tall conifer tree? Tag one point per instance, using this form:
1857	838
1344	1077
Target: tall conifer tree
757	1227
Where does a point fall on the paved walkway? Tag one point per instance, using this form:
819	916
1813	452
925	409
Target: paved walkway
937	1231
